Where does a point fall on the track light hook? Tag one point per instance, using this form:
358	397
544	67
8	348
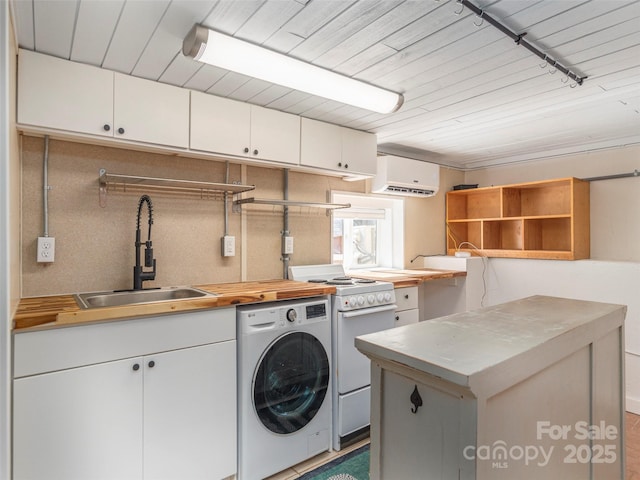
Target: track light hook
544	64
481	19
461	7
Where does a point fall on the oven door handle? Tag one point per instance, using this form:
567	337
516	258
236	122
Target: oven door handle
369	311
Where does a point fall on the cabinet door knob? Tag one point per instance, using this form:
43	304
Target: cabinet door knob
121	130
346	165
255	152
339	164
407	296
246	149
106	127
416	399
397	318
152	364
136	367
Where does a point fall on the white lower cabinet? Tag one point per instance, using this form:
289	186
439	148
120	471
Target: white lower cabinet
83	423
190	413
407	302
159	416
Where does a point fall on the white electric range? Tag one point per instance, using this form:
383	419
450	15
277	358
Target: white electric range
358	307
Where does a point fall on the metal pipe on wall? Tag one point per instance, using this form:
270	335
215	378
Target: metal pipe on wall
635	173
45	181
226	206
285	224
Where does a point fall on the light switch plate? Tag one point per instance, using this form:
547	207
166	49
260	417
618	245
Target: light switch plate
287	245
228	246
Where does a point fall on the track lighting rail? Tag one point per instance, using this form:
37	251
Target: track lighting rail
520	40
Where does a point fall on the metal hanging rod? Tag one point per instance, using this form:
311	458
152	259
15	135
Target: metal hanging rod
112	182
519	39
635	173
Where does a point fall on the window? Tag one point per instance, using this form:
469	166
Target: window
369	234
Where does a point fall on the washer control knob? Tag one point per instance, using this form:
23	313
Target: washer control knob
371	298
292	315
380	297
353	301
387	297
360	300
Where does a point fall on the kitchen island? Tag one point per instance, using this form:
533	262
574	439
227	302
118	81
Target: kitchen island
528	389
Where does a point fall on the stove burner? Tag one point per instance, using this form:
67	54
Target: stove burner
365	280
340	281
317	280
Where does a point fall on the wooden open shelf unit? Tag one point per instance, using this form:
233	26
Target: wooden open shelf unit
546	219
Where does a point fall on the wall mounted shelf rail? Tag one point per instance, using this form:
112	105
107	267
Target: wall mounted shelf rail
112	183
290	203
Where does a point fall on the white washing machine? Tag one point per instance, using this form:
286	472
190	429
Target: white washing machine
284	389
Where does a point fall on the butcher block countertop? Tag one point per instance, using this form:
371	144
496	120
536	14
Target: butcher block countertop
408	278
60	310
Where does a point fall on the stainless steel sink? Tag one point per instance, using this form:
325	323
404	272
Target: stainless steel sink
132	297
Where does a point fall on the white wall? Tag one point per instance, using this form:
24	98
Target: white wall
598	281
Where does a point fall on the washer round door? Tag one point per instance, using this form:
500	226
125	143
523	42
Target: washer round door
291	382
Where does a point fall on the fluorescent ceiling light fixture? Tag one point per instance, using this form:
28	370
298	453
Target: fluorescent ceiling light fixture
226	52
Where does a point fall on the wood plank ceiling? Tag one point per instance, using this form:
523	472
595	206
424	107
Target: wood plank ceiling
472	96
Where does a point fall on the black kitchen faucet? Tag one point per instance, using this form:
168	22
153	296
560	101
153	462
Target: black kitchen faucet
139	275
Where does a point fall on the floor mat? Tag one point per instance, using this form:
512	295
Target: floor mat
352	466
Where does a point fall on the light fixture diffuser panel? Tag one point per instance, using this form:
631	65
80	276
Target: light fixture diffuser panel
226	52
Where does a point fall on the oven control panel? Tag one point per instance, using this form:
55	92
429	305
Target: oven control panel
364	300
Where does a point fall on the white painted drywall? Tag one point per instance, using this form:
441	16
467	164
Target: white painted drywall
600	281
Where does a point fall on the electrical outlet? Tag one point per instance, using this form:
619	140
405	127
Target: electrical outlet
287	245
228	246
46	249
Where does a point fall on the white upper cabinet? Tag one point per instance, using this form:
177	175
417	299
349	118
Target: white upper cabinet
359	152
55	93
275	135
63	95
219	125
228	127
331	147
80	100
150	112
321	144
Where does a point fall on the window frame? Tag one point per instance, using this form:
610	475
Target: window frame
390	231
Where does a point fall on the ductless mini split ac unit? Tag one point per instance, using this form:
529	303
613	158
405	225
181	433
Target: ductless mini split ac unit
405	176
